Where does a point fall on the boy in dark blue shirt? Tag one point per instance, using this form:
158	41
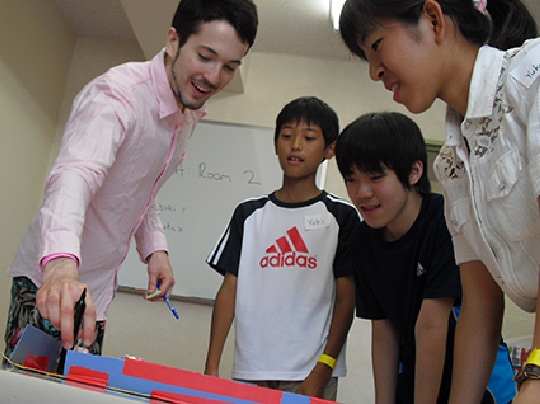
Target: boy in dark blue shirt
407	281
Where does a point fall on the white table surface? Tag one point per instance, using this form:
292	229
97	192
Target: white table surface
26	388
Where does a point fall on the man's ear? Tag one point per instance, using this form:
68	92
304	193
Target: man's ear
330	151
172	42
417	169
433	14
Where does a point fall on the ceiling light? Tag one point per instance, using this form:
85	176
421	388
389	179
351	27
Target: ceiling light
335	11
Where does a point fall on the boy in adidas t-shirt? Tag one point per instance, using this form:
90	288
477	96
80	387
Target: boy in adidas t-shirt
287	268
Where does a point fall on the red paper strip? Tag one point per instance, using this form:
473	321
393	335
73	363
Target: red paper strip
197	381
36	362
88	377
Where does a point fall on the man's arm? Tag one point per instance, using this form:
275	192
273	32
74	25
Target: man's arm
77	175
342	316
478	333
384	357
151	244
431	334
222	317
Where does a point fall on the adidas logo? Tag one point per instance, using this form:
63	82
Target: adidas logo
288	251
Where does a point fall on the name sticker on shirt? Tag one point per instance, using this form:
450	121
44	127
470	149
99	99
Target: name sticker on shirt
316	222
528	69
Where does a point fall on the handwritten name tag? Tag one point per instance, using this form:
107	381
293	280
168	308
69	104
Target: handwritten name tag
528	69
316	222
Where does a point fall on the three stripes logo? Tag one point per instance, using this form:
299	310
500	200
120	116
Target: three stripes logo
289	250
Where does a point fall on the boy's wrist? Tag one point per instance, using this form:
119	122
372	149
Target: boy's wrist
327	360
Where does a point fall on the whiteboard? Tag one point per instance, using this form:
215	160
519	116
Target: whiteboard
225	164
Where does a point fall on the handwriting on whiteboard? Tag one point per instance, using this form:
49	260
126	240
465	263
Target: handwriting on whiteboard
205	173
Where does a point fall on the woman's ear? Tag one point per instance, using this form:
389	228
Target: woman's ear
433	14
417	169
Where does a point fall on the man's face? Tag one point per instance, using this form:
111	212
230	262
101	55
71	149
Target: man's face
205	64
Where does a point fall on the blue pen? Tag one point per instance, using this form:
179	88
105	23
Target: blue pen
166	299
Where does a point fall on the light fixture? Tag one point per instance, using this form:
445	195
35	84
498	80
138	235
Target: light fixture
335	11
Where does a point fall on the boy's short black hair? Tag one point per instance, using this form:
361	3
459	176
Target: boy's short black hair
384	139
311	110
240	14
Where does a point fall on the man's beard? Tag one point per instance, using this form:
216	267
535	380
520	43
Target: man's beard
180	99
178	94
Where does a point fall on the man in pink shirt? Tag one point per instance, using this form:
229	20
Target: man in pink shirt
127	133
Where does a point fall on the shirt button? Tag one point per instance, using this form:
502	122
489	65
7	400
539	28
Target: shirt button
502	186
467	124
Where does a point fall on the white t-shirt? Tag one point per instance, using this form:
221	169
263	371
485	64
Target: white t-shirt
286	257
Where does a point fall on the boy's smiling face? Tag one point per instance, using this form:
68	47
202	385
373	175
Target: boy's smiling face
380	197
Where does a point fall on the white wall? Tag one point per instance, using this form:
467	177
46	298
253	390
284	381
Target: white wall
36	46
42	66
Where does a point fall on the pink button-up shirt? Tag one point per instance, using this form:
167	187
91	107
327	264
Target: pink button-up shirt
124	138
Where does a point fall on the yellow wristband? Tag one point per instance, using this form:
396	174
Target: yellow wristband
534	357
327	360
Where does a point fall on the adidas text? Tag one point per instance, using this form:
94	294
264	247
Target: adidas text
288	260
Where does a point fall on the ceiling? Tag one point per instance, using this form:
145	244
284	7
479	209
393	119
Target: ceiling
297	27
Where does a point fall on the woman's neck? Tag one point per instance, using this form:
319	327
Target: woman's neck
459	71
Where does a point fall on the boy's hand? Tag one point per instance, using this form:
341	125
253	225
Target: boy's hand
315	384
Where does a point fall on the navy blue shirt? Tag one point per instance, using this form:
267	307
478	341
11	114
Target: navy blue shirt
394	277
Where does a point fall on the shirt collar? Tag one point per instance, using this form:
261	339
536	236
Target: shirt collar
486	72
484	80
165	97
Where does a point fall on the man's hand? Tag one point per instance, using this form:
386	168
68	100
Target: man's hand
159	269
60	289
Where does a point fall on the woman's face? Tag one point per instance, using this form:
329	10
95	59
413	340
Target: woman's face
404	59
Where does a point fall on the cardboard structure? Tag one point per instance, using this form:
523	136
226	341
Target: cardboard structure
144	381
170	384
